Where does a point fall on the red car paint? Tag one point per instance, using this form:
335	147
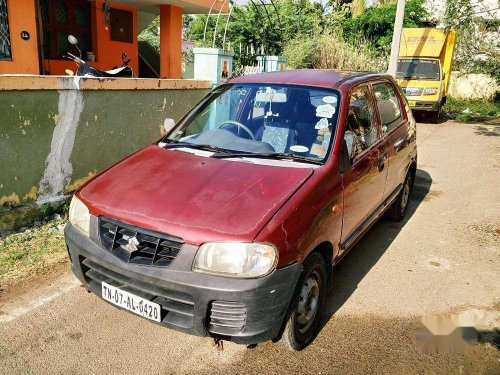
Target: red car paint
199	199
297	209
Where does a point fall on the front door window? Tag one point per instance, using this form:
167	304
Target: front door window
388	106
361	130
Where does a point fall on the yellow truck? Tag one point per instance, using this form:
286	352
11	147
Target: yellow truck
424	67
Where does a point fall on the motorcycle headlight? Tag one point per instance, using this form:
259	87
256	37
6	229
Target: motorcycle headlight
430	91
236	259
79	215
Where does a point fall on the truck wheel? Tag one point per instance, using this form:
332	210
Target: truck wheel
399	207
307	304
435	116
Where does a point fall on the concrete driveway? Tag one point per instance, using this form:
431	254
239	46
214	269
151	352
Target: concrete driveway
443	259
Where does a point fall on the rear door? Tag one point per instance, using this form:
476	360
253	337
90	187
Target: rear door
394	127
364	181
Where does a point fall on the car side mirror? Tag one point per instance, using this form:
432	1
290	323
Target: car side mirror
168	125
344	158
444	75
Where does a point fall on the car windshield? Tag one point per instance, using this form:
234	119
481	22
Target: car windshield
265	120
418	69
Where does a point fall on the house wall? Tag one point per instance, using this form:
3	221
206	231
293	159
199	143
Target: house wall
472	86
108	52
24	52
56	132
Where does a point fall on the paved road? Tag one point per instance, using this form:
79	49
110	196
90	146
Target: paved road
444	258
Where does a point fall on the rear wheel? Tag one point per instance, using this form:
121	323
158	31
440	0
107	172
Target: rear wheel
307	304
399	207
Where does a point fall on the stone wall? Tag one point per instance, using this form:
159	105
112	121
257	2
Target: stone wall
472	86
57	132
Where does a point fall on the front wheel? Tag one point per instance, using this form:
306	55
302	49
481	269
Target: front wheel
435	115
307	304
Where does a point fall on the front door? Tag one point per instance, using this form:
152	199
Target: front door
364	181
394	126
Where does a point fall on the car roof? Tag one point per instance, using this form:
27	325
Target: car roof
307	77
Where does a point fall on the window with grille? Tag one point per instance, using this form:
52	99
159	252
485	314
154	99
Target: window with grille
5	52
61	18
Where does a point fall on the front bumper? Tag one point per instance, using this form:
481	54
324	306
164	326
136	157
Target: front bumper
421	105
245	311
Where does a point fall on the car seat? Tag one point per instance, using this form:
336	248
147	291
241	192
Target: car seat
304	118
277	135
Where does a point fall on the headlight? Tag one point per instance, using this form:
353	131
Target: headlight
430	91
79	215
236	259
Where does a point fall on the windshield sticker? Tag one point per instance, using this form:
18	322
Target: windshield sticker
322	124
330	99
325	110
299	148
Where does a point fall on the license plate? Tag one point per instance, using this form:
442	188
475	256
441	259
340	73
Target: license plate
412	103
131	302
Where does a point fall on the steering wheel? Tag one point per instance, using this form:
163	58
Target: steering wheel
240	125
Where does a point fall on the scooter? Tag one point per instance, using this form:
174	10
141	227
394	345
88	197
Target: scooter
86	70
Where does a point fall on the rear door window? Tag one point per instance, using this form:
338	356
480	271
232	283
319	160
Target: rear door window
388	105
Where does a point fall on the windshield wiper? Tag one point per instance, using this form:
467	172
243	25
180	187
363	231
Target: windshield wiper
269	155
196	146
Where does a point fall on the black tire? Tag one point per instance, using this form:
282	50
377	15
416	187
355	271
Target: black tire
435	116
300	331
399	207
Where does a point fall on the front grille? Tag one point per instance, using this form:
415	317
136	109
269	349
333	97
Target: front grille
137	245
227	315
424	105
177	308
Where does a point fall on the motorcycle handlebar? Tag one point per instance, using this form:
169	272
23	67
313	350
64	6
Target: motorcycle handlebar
74	58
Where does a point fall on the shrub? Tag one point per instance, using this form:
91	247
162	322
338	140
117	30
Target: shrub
300	52
332	51
477	110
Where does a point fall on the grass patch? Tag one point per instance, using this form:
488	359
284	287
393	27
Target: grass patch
32	252
477	110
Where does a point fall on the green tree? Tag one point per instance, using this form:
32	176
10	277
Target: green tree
376	24
151	34
259	27
475	52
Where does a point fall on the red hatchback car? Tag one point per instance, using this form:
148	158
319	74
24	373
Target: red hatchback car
230	226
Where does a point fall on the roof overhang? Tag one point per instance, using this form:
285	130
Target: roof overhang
188	6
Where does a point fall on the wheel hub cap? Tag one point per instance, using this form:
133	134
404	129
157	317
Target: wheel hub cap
308	303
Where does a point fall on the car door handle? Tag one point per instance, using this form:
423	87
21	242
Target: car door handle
398	143
381	162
